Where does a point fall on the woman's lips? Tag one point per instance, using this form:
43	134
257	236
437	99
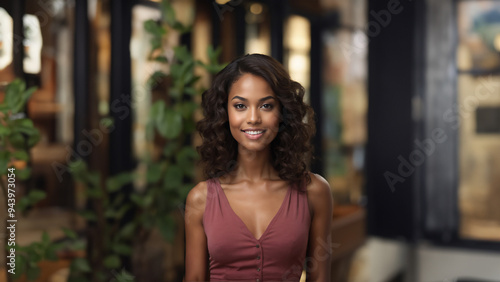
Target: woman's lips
254	136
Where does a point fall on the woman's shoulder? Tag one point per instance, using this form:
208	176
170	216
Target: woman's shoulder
318	184
198	192
196	199
318	191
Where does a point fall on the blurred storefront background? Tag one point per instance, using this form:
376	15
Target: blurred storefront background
406	95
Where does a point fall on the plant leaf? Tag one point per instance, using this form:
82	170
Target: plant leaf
36	195
4	131
93	192
20	155
154	172
173	177
127	230
27	94
171	125
69	233
45	238
157	112
17	140
50	252
187	109
112	261
185	159
80	265
181	28
169	149
167	227
124	276
161	59
150	131
122	249
116	182
21	265
88	215
156	78
13	93
182	53
23	174
4	161
168	13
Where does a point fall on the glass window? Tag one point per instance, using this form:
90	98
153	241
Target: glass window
479	35
344	109
478	118
48	64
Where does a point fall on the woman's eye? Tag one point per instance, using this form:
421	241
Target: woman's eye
267	106
239	106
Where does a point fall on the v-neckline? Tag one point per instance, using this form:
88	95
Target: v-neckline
243	223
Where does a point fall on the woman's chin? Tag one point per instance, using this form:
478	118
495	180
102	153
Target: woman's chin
253	148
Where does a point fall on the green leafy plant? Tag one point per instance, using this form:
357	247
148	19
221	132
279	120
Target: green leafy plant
17	136
168	179
17	133
107	240
169	175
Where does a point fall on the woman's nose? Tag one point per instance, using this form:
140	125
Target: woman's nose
253	116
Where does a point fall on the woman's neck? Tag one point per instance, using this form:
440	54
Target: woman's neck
255	166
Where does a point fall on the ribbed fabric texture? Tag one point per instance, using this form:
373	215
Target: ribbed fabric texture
236	255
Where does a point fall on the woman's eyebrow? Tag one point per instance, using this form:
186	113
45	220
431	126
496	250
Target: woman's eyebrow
260	100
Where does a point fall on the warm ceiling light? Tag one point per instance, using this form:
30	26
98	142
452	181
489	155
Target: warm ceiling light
256	8
222	2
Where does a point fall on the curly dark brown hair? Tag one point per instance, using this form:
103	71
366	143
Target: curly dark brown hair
291	150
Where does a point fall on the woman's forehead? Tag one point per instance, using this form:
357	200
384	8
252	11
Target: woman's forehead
251	87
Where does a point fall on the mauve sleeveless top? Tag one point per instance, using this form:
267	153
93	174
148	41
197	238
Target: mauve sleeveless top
236	255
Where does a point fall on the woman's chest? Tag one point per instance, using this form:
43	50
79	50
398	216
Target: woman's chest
256	211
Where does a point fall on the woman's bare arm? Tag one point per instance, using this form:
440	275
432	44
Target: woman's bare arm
319	249
196	241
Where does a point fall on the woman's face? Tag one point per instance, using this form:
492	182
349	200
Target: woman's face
254	113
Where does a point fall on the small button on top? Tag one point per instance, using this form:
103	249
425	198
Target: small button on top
258	280
257	246
258	257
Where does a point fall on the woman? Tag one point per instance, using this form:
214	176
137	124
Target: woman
260	215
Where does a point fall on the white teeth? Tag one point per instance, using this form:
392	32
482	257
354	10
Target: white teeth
254	132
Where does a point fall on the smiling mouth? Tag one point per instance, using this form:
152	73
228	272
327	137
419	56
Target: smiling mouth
254	132
251	134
